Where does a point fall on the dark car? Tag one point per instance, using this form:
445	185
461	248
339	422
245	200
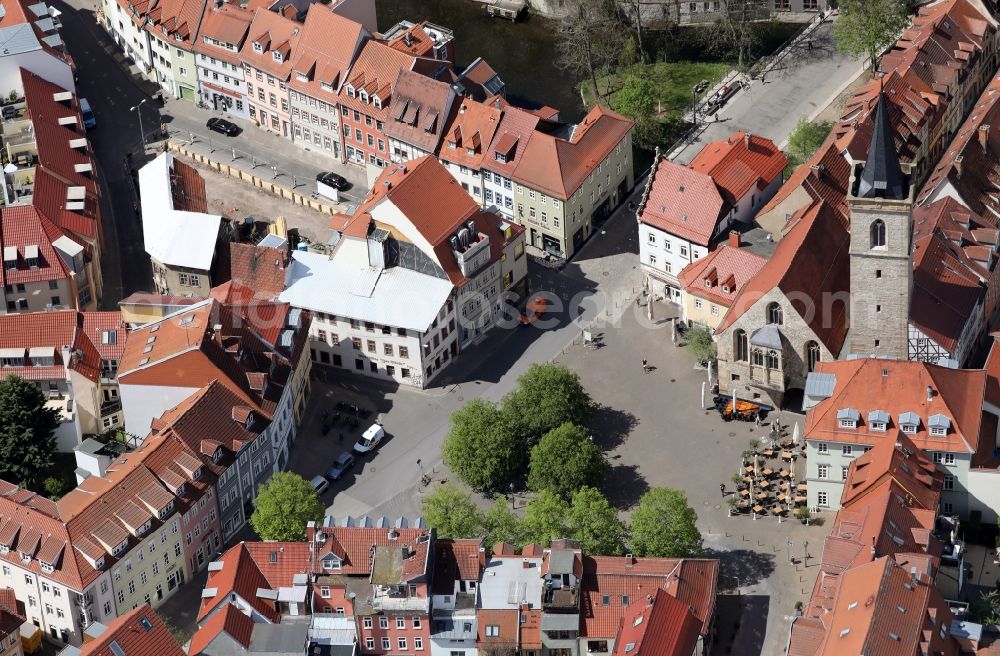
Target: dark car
222	126
343	462
332	179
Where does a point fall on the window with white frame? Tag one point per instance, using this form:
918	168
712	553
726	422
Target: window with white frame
822	447
822	499
823	471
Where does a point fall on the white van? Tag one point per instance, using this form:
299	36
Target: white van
89	120
370	439
319	484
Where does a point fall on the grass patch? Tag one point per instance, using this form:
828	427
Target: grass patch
673	82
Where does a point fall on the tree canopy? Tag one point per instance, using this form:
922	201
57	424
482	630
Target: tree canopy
547	396
664	525
565	460
699	343
27	433
283	507
868	27
594	522
636	98
452	512
482	449
805	139
500	524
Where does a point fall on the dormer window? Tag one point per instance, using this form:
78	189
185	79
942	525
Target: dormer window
4	549
120	548
301	77
331	562
501	157
99	563
938	425
46	567
25	557
350	91
377	101
180	490
249	423
217	456
363	95
165	510
277	56
143	529
878	420
909	423
470	151
848	418
326	86
196	475
258	47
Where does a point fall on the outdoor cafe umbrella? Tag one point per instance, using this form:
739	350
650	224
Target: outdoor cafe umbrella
795	434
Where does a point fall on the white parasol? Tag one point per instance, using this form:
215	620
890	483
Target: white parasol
795	434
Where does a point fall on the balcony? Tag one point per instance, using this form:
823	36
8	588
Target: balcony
83	600
111	407
561	599
392	599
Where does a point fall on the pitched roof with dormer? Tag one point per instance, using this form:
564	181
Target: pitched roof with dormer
739	163
469	132
721	275
271	43
326	49
139	632
662	626
420	108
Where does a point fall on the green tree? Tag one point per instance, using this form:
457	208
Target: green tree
986	609
283	507
501	525
699	343
868	27
482	449
630	53
594	523
27	433
564	460
591	42
805	139
664	525
637	97
452	512
547	396
545	519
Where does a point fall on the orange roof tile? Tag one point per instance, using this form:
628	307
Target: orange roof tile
327	47
139	632
740	162
231	621
274	33
721	275
683	202
663	626
470	127
559	166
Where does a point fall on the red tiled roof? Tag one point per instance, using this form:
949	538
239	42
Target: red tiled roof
740	162
809	263
375	70
22	227
901	461
276	33
260	270
139	632
231	621
721	275
896	387
558	166
326	49
83	331
683	202
471	126
824	177
239	575
11	613
228	24
664	626
692	581
420	108
510	140
507	622
456	560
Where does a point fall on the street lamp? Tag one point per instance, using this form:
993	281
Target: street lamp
694	105
512	506
142	135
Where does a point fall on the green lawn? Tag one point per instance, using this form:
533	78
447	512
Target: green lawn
673	80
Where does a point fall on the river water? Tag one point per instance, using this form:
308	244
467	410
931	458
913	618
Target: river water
522	53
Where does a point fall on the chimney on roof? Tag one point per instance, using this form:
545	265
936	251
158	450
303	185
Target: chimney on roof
817	168
629	560
930	393
734	238
958	167
747	136
984	135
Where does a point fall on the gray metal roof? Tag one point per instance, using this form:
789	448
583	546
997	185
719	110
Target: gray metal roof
561	562
882	177
454	628
939	421
909	419
767	336
279	639
848	413
820	385
878	415
560	622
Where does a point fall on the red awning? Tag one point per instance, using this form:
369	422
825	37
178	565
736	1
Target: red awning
228	92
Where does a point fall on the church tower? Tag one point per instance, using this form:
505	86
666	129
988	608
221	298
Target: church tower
880	200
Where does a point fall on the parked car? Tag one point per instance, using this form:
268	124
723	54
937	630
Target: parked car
320	484
334	180
340	466
222	126
89	120
371	439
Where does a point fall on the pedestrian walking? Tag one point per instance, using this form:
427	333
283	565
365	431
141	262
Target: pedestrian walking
756	419
645	366
722	488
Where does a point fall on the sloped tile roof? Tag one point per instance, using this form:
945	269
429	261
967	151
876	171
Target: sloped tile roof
326	49
727	267
421	106
139	632
471	126
740	162
231	621
683	202
456	560
663	626
901	461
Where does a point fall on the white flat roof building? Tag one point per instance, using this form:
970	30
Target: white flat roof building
396	296
510	581
173	237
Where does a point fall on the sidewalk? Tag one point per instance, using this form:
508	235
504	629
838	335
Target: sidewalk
801	84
